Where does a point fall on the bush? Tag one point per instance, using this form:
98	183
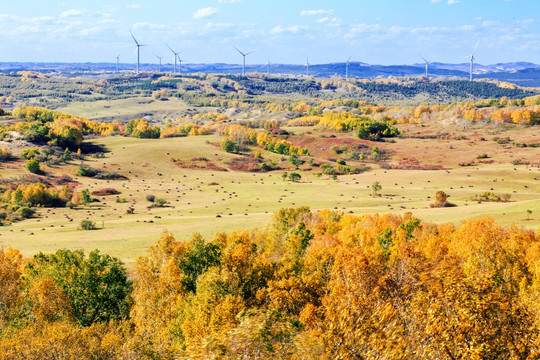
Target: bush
294	176
375	130
26	212
150	198
29	153
86	171
4	154
441	200
88	225
159	202
105	192
32	165
229	145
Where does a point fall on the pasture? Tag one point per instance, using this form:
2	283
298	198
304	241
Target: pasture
207	201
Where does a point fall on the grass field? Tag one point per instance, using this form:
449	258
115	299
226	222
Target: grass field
127	109
247	200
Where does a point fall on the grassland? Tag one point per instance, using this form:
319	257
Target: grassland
204	201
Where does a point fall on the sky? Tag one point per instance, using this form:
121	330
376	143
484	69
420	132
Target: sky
280	31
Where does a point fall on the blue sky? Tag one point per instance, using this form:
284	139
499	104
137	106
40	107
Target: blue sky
283	31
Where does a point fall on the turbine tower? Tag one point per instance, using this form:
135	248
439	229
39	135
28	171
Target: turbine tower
472	61
307	66
159	57
243	60
175	53
268	67
117	62
138	50
179	64
347	64
427	63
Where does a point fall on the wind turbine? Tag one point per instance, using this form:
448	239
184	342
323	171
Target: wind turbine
307	66
159	57
472	61
244	60
117	62
138	50
347	64
427	63
179	64
175	56
268	67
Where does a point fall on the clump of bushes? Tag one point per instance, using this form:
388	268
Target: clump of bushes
33	166
5	154
489	196
229	145
88	225
105	192
375	130
441	200
98	174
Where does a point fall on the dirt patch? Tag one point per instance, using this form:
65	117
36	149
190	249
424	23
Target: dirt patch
198	163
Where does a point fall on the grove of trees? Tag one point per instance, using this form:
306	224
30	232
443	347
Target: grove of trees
309	285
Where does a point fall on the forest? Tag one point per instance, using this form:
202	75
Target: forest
308	285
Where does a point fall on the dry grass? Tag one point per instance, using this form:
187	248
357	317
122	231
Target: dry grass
245	200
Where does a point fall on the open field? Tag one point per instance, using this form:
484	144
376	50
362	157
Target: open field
246	200
126	109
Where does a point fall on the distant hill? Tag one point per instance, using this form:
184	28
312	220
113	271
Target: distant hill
520	73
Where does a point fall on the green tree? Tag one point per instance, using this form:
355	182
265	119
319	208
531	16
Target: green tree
295	160
229	145
376	187
294	176
32	165
97	287
199	257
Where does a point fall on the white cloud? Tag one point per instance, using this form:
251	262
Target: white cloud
293	29
466	28
149	26
435	1
315	12
229	1
489	23
202	13
133	6
72	12
452	2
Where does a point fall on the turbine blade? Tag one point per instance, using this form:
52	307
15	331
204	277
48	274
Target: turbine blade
170	49
424	59
475	48
239	51
134	38
251	52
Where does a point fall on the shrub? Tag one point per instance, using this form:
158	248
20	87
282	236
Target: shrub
26	212
376	187
105	192
489	196
229	145
86	171
441	200
88	225
150	198
32	165
294	176
29	153
159	202
4	154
